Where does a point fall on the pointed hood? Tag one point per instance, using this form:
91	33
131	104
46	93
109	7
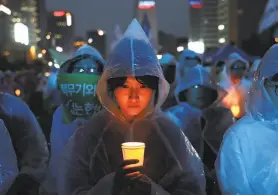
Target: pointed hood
259	104
132	56
197	75
234	57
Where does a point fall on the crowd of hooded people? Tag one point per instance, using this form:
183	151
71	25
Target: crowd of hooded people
206	129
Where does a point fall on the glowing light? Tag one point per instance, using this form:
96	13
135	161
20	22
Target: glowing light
5	9
59	13
43	51
276	39
21	33
197	46
47	74
56	65
180	48
90	40
17	92
47	37
59	49
100	32
78	43
134	150
221	27
6	53
50	64
32	52
146	4
235	109
69	19
159	56
234	101
40	55
222	40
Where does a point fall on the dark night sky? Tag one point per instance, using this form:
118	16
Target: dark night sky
105	14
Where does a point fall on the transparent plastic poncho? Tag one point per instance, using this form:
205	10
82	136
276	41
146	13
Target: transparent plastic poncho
247	162
94	153
237	93
8	161
190	118
27	137
62	129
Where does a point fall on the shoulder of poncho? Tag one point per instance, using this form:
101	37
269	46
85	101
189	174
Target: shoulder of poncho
166	123
242	126
12	105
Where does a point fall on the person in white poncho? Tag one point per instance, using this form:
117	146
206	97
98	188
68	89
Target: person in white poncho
247	162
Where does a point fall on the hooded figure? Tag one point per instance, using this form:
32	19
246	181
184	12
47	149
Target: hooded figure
132	89
168	63
28	141
198	96
247	162
77	81
187	59
233	80
8	162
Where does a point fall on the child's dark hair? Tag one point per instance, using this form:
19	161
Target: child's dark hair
150	82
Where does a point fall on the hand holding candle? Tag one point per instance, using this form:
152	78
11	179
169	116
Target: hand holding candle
134	150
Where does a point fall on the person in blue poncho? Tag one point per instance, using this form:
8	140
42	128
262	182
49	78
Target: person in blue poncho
199	113
29	144
132	89
77	82
247	162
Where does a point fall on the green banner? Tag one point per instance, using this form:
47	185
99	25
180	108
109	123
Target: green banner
79	95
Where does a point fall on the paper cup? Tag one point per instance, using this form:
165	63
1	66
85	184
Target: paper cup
134	150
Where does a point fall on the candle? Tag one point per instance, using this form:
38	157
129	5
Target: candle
134	150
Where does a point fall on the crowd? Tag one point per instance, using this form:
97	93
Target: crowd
207	129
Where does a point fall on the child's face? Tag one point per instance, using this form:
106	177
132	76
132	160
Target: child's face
133	97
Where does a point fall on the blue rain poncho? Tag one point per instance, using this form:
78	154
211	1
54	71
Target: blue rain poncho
8	161
27	137
189	118
237	93
247	163
61	130
94	153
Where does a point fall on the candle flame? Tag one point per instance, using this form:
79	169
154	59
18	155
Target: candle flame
233	102
235	109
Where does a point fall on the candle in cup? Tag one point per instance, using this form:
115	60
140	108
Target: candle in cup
134	150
